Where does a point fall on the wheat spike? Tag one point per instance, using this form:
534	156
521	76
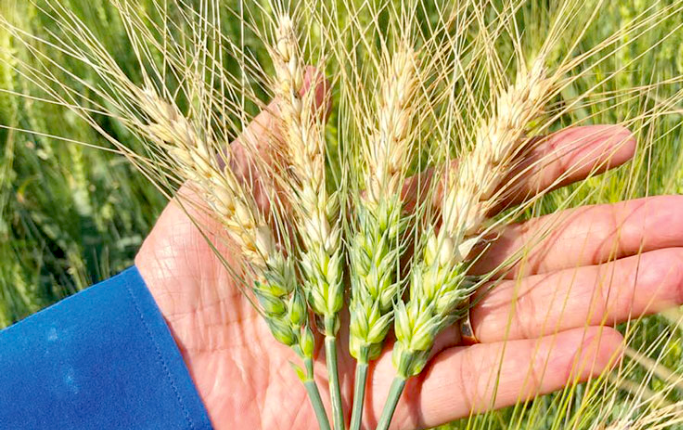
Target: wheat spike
375	249
439	286
275	284
317	211
380	222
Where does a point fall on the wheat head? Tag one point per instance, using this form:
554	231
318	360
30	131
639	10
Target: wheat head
316	210
439	286
375	248
275	281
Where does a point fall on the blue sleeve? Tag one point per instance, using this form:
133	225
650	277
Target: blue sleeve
101	359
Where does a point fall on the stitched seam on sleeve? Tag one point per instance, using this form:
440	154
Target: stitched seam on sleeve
160	357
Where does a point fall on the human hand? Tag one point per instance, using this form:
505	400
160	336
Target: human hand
562	297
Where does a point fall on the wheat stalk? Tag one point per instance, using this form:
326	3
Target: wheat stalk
440	289
280	298
316	210
375	250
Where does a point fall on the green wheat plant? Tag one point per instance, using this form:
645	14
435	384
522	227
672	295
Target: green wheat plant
404	130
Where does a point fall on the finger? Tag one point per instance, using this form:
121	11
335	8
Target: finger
464	380
449	337
608	294
560	159
586	236
568	156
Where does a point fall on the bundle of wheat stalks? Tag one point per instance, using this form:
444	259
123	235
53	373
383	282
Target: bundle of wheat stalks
380	247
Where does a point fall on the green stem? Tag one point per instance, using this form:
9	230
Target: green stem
333	377
359	394
314	396
390	406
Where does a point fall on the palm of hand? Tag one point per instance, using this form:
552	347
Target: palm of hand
236	364
243	374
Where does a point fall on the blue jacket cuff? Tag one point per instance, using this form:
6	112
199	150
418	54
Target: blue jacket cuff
101	359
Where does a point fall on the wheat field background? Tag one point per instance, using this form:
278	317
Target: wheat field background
71	215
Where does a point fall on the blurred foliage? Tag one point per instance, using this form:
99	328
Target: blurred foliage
70	215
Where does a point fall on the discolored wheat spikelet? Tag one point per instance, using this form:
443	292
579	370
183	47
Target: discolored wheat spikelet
376	246
316	211
280	298
218	186
439	288
472	192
